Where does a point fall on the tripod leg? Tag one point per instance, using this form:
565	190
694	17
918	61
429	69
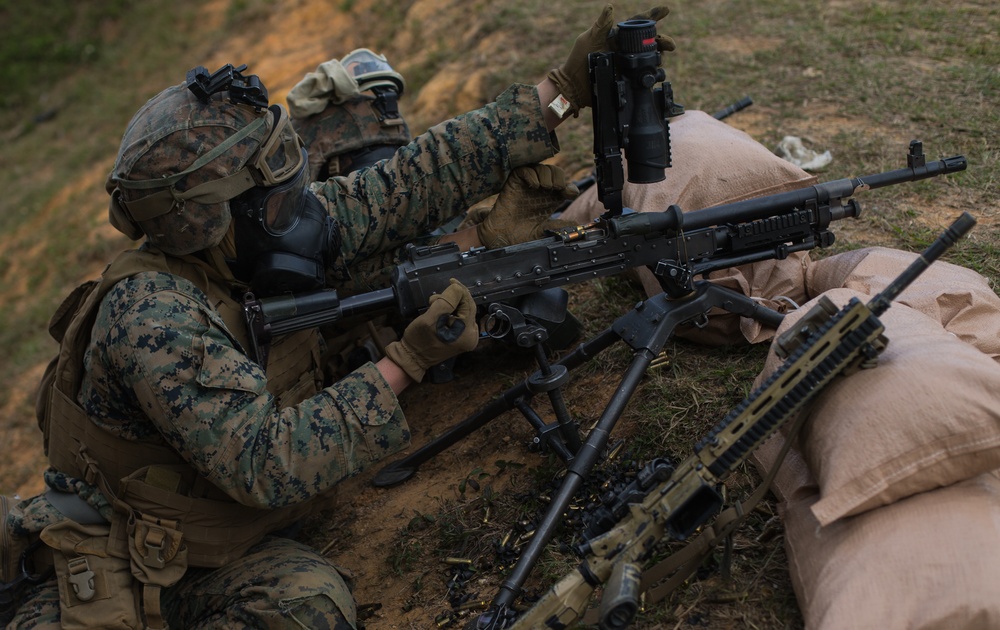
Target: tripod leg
586	458
401	470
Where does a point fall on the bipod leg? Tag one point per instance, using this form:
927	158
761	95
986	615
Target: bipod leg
646	329
401	470
588	455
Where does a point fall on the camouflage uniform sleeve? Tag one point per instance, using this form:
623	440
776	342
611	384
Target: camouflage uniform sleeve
431	180
166	367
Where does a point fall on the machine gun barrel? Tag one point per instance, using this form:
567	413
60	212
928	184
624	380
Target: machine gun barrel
771	205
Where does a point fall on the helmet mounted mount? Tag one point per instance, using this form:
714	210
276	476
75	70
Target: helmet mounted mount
241	90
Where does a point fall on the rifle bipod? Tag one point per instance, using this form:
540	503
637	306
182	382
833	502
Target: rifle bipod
646	329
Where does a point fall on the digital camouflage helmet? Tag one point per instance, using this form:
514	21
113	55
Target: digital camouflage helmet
347	113
190	150
209	154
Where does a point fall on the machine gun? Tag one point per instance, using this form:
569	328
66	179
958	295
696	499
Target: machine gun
520	287
829	342
676	246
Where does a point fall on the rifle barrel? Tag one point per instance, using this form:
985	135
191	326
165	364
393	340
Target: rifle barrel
761	207
959	228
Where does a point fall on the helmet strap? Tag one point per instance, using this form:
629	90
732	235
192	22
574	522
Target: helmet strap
387	106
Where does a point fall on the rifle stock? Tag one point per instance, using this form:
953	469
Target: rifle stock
676	246
828	343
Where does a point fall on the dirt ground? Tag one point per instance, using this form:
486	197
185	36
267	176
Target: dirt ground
363	533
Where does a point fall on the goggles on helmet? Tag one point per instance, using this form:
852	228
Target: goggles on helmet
371	70
280	158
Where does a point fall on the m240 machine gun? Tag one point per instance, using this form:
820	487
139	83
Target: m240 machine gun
677	246
520	287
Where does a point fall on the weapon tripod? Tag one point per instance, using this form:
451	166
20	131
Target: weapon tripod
646	329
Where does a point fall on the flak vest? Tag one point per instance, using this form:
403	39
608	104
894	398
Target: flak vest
166	516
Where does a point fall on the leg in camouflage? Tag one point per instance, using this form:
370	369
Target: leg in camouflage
39	610
38	605
279	583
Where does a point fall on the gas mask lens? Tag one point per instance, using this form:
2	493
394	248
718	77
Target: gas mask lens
281	206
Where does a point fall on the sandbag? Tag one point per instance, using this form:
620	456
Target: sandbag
897	446
930	561
927	416
957	297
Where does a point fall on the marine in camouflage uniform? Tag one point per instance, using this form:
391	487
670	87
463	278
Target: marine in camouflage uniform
347	114
144	380
165	369
511	135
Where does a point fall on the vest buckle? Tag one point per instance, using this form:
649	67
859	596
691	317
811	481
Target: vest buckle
81	578
153	547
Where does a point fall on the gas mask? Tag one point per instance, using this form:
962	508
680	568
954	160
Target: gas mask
284	237
249	173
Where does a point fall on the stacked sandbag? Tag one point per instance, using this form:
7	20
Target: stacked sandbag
891	496
959	298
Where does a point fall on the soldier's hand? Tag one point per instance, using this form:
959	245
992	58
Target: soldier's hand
522	209
448	328
573	77
475	214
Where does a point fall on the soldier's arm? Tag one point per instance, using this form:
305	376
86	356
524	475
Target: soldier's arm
209	401
438	175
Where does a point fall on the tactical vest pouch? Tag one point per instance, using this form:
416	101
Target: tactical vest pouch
216	529
59	324
158	559
95	580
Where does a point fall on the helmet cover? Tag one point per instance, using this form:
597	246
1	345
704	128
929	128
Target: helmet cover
344	128
182	158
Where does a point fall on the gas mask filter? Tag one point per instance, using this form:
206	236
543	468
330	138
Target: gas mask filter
284	238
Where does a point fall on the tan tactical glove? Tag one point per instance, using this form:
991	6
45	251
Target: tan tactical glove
475	215
448	328
522	209
573	77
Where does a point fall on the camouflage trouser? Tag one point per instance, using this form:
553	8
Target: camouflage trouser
279	583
